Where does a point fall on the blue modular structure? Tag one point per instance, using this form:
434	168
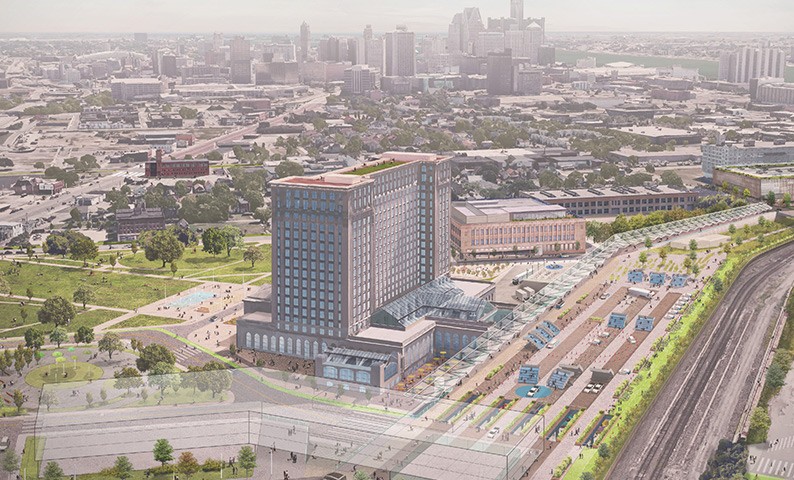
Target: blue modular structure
542	333
529	374
617	320
644	323
657	279
551	327
559	379
679	280
536	341
636	276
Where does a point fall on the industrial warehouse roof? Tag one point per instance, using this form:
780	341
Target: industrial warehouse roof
505	210
762	171
592	193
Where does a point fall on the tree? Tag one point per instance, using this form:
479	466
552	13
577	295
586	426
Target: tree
643	258
603	450
775	376
215	378
549	179
263	215
234	238
187	464
213	241
48	398
695	269
163	451
53	471
770	198
89	399
112	260
732	229
361	475
787	200
587	476
253	254
289	169
693	245
127	378
29	293
83	295
75	216
759	425
19	399
215	156
84	335
110	343
57	310
134	247
34	339
648	242
58	336
83	248
609	170
174	268
188	113
122	468
163	245
10	461
161	376
671	178
663	253
247	459
746	193
718	285
153	354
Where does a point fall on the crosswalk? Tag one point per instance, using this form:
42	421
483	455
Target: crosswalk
769	466
183	355
783	443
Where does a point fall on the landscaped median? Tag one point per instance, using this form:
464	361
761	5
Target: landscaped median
653	375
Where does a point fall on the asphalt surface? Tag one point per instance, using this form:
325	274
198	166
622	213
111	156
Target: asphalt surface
704	398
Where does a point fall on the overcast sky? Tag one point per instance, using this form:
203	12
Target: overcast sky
284	16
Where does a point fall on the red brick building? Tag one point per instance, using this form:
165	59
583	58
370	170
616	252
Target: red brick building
176	168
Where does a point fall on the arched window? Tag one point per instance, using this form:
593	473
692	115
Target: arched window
465	341
439	341
257	345
363	377
289	345
248	340
273	343
307	351
280	344
345	374
447	341
325	347
315	352
298	347
329	372
264	342
455	342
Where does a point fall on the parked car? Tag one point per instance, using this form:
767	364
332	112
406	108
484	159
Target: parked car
4	444
494	432
589	388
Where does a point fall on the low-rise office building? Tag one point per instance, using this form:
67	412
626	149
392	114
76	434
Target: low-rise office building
130	222
617	200
746	153
759	180
515	225
176	168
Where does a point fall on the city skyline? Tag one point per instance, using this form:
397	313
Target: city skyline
337	16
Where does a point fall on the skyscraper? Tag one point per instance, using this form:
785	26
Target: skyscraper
305	38
517	11
463	31
240	57
400	53
751	62
500	73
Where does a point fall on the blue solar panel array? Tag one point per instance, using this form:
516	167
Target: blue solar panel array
551	327
617	320
529	374
559	379
657	279
644	323
679	280
636	276
541	332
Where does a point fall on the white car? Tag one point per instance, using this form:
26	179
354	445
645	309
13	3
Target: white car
625	371
533	391
4	444
605	334
632	340
494	432
589	388
597	388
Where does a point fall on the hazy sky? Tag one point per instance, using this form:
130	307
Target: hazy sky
277	16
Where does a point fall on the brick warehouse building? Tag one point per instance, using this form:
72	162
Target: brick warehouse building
159	168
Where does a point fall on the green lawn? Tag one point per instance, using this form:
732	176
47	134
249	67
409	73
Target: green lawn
146	321
581	465
11	309
53	373
89	318
201	264
111	289
373	168
263	281
754	476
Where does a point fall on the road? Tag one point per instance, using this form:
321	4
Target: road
702	401
207	146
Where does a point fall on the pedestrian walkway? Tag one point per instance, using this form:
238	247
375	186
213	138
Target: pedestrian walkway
775	458
769	466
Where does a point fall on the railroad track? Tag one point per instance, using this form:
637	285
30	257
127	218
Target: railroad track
724	334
